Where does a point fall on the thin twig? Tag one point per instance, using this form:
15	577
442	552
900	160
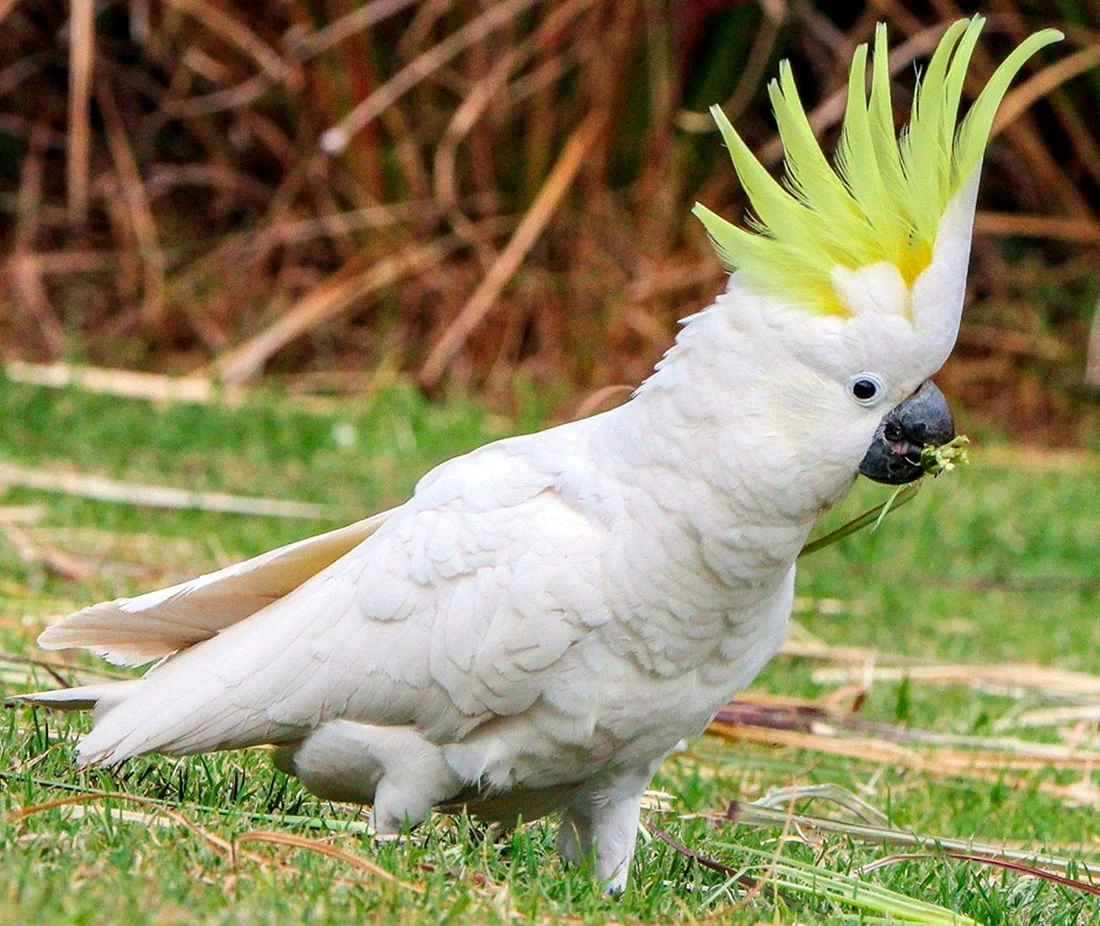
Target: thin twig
336	139
1008	864
66	566
528	232
6	7
81	59
137	202
342	292
305	47
124	383
1037	226
596	400
738	877
235	97
221	846
814	717
155	387
483	92
55	665
22	266
236	33
1092	355
1006	677
872	516
129	493
757	815
323	848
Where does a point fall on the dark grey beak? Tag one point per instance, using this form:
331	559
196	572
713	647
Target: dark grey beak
894	455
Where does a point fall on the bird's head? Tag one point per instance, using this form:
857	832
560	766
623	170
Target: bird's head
856	273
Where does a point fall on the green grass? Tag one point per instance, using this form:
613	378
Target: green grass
994	563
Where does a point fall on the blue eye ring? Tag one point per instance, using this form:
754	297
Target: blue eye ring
866	389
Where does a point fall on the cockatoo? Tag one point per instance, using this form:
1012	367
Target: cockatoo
547	617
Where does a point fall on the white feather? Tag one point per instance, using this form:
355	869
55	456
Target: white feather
545	619
133	631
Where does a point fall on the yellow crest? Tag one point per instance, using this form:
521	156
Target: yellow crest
884	199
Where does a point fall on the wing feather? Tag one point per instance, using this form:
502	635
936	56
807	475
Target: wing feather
451	612
134	631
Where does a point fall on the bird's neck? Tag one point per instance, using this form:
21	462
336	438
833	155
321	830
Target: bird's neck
704	429
711	518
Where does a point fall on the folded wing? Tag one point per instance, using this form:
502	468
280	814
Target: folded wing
456	609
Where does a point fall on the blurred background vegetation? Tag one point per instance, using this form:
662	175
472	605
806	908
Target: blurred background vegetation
329	194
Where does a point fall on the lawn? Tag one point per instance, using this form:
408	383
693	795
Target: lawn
937	627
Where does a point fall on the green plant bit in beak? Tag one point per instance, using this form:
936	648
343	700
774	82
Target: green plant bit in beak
946	457
935	460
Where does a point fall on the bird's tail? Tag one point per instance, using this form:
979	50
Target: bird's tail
99	699
212	687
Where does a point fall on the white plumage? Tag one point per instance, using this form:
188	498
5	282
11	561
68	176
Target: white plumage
534	630
548	616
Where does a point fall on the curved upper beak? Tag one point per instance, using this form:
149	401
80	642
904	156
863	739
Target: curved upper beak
922	419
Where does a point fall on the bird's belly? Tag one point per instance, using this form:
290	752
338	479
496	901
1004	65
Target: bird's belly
653	713
609	715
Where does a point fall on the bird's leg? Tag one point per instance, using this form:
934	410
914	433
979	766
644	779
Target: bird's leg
604	824
397	805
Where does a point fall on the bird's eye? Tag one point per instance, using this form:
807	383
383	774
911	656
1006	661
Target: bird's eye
866	388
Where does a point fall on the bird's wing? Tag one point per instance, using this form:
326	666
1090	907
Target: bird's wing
134	631
513	563
456	610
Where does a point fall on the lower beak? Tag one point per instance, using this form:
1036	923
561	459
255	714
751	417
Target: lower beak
923	419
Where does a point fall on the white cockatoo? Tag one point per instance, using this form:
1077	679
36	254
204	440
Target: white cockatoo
548	616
